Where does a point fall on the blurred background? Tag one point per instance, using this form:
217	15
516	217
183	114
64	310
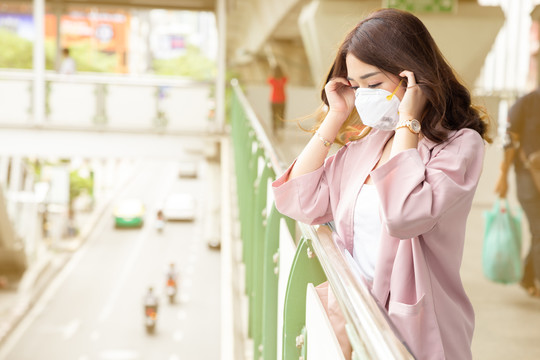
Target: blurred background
112	111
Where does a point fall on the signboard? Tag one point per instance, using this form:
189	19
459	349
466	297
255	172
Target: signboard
423	6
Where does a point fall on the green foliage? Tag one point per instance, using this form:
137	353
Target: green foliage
193	64
79	185
36	166
17	52
89	59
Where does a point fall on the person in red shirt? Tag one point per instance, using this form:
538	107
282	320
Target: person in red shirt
277	97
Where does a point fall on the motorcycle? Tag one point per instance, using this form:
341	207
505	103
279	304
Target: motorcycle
150	319
171	290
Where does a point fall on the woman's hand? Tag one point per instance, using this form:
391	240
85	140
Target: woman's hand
340	97
414	101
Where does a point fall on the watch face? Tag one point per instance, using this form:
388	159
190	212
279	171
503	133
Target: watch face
415	126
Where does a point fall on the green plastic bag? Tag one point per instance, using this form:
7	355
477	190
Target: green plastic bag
501	253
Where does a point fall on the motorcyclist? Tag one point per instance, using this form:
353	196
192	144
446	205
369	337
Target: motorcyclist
160	215
172	275
160	220
151	301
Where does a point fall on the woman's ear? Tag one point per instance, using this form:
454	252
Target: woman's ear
404	81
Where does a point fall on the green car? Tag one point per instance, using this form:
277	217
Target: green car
129	213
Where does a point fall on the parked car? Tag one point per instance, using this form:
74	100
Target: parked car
187	169
129	213
179	206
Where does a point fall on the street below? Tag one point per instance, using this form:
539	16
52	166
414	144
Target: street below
93	309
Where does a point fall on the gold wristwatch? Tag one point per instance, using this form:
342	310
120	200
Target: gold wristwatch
412	124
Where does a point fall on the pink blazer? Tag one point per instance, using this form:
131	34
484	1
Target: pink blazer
426	195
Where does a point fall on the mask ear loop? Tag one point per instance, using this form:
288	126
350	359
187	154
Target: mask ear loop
389	97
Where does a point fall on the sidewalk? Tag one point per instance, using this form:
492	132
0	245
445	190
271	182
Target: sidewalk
506	317
18	299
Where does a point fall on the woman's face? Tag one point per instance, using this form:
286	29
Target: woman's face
363	75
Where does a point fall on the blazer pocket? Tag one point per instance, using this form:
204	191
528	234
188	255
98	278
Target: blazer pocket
409	320
404	309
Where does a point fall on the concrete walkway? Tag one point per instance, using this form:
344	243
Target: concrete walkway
507	319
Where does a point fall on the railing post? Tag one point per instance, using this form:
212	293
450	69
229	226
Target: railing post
259	227
270	285
305	269
100	119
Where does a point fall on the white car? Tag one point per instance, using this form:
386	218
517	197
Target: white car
187	169
179	206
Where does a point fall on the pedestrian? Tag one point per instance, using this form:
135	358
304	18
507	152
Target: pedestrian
399	193
67	66
523	131
277	83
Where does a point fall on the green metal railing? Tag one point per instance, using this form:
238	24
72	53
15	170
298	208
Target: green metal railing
256	165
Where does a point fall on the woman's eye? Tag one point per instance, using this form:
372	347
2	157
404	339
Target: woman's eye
373	86
354	87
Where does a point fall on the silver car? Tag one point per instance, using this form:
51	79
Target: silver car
179	206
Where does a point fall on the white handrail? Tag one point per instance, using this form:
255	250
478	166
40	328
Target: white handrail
109	79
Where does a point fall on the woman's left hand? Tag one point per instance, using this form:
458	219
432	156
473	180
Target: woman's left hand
414	101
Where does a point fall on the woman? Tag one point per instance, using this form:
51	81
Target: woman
399	192
277	97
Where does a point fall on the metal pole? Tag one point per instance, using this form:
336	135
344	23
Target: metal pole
58	14
38	100
221	20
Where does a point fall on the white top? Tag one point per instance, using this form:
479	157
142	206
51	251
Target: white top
68	66
367	230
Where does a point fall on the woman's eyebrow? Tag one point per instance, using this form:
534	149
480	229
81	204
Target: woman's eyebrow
365	76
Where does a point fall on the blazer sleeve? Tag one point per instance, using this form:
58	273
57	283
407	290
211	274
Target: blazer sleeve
305	198
415	195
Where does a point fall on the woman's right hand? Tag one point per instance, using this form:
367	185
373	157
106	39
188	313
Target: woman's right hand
340	97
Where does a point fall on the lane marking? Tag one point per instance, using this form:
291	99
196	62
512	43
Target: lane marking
181	315
126	270
71	328
95	335
178	336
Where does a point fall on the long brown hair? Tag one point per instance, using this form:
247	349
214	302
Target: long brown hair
394	40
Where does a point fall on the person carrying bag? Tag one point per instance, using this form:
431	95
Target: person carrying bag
522	151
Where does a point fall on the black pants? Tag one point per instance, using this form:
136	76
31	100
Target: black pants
529	198
278	115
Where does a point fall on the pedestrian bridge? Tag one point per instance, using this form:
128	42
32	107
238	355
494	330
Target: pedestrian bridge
280	262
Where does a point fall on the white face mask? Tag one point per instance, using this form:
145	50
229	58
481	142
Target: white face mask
377	108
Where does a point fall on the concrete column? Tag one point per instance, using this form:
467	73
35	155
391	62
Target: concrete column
323	25
221	21
4	166
15	175
465	38
38	100
58	10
